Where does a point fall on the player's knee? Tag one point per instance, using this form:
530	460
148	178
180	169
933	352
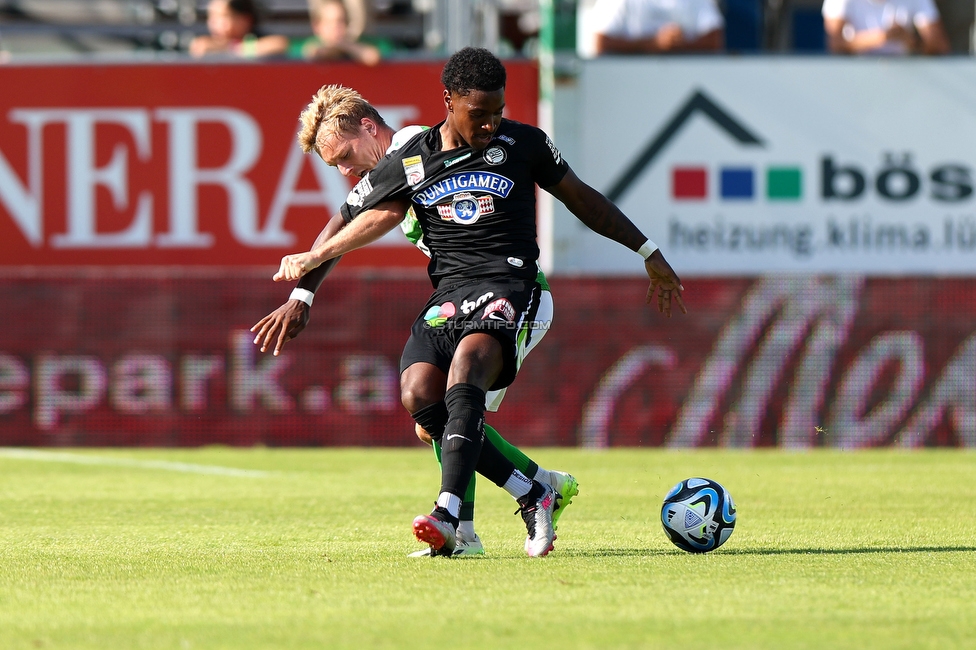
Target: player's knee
423	435
415	396
412	401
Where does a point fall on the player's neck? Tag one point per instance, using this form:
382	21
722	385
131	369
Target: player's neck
450	138
385	136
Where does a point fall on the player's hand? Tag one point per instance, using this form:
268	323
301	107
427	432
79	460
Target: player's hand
295	266
665	283
281	325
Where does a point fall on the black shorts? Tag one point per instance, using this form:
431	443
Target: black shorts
502	307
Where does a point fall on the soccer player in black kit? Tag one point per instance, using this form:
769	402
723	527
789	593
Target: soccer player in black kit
471	182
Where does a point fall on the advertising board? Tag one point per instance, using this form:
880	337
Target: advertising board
190	164
130	357
760	165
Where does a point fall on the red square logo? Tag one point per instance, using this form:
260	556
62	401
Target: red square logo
689	182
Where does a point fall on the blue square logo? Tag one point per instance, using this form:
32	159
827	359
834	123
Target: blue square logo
737	183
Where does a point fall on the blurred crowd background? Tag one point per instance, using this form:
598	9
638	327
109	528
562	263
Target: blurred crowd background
371	29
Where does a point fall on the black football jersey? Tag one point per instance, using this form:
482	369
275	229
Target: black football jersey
476	209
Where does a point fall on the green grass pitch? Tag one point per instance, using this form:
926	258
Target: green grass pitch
307	549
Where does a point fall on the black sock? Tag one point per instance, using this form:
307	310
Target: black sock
432	418
444	515
533	495
463	437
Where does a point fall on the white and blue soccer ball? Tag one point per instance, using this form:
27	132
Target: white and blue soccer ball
698	515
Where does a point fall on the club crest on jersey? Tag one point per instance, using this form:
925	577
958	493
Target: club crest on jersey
413	167
495	155
466	208
471	181
358	194
500	309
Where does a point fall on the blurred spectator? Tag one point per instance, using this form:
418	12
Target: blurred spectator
519	23
884	27
232	26
656	26
332	38
957	20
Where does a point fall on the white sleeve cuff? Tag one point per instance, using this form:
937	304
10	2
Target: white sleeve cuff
647	249
304	295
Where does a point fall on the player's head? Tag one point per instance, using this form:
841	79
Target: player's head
344	130
474	93
231	20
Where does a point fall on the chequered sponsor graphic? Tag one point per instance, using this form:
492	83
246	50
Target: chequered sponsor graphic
466	208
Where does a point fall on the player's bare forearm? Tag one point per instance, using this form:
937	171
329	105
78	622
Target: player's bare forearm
603	217
363	230
597	211
312	280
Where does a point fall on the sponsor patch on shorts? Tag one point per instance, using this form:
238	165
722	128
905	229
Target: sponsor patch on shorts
500	309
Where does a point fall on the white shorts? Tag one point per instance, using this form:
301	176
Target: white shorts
543	320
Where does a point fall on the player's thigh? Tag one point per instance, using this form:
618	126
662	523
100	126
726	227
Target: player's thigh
479	360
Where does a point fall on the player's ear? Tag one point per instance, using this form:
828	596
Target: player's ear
447	101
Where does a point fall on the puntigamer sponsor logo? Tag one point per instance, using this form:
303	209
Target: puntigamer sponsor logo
836	203
464	182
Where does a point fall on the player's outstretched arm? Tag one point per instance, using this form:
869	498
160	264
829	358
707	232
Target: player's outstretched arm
603	217
287	321
364	229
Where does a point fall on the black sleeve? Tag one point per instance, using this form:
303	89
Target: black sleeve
312	280
387	181
548	166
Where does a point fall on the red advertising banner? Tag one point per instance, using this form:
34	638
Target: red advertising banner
189	164
145	357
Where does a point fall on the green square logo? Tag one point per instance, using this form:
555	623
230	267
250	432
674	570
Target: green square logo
784	183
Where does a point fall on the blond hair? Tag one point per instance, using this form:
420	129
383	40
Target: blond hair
333	110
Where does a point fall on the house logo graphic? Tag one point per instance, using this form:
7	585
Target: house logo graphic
691	182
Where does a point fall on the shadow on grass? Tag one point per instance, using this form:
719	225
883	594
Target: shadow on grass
646	552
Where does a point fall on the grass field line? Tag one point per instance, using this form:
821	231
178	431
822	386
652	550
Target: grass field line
169	466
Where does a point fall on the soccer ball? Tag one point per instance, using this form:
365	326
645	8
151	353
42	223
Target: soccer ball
698	515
